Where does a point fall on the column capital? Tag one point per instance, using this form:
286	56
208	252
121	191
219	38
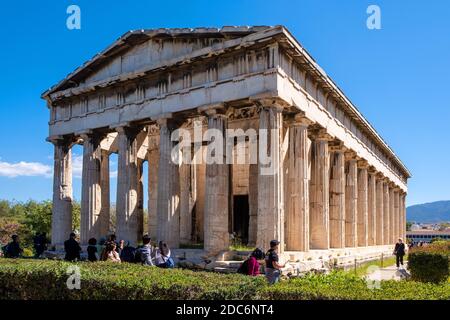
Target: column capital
372	171
337	146
321	135
212	109
299	119
363	164
351	155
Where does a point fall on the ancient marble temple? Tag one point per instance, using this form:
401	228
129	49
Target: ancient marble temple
337	185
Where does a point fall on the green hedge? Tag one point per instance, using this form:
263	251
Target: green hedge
431	263
46	279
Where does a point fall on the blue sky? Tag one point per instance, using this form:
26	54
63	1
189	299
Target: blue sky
397	76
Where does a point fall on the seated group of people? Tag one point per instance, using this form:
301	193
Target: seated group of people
272	268
115	251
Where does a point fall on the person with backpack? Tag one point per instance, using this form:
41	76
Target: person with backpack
162	256
251	266
128	253
273	267
144	254
13	249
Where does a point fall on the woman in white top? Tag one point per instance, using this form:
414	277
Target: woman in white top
162	255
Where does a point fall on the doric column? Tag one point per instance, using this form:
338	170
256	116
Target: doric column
140	200
380	212
391	214
270	177
337	197
396	214
127	203
319	221
187	200
168	204
363	208
91	194
351	200
386	213
253	204
153	164
372	218
62	192
403	227
216	185
104	218
297	217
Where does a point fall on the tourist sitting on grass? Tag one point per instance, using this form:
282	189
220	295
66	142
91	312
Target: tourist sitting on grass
127	253
92	250
273	268
113	238
251	266
162	256
72	248
13	249
110	253
145	253
399	252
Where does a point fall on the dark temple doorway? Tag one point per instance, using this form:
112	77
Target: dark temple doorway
241	217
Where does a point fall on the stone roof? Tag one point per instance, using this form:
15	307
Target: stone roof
135	37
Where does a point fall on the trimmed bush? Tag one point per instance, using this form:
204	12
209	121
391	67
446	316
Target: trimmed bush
46	279
431	263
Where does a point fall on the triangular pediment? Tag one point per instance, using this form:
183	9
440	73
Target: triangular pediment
136	50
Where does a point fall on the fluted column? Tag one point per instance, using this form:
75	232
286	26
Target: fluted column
187	200
297	218
253	204
396	214
386	213
153	164
216	186
62	192
140	200
363	208
127	203
380	212
104	218
168	204
337	197
270	177
403	213
319	221
391	215
91	194
351	200
372	217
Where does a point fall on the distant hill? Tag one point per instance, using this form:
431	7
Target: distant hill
438	211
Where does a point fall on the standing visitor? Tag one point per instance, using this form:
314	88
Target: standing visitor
72	248
92	250
40	244
399	252
273	268
162	256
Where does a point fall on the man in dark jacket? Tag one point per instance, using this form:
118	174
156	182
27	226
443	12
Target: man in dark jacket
399	252
13	249
72	248
40	244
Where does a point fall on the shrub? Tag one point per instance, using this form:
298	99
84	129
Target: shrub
46	279
430	263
